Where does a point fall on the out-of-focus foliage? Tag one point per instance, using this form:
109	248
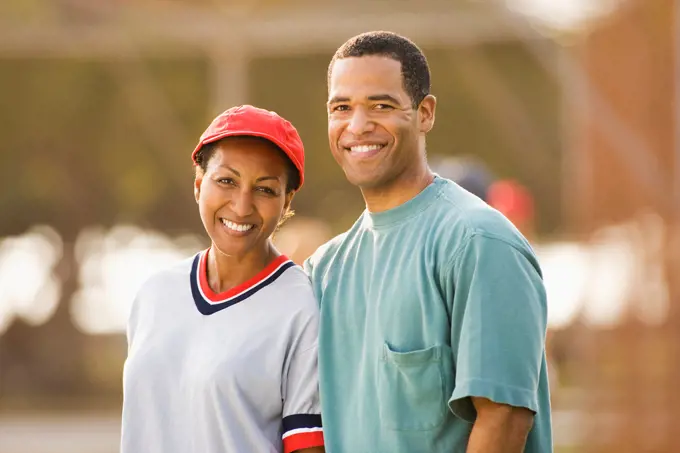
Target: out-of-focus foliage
82	146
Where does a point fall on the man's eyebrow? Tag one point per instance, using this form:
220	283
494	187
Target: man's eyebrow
336	99
375	97
384	97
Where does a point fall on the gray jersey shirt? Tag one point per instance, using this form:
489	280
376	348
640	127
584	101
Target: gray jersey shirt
217	373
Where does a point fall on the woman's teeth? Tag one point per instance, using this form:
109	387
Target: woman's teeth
237	226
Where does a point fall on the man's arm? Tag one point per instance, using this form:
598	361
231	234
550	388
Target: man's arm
499	339
499	428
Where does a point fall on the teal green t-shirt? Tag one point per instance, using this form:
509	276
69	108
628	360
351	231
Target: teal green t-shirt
422	307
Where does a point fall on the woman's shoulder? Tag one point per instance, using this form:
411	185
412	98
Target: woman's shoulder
296	289
167	276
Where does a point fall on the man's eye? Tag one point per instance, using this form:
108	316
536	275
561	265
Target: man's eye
340	108
383	107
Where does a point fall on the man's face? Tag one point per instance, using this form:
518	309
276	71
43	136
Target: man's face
373	128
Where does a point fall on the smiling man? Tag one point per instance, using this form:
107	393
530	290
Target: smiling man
433	309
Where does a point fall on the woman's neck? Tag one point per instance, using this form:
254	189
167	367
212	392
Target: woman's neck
226	271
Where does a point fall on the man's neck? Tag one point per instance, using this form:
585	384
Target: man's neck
398	192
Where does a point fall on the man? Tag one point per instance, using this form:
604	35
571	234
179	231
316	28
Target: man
433	311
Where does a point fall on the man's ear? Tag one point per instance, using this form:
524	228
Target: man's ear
198	180
426	113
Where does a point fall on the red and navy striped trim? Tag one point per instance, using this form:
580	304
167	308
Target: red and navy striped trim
302	431
209	302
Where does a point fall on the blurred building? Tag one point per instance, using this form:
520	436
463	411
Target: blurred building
623	86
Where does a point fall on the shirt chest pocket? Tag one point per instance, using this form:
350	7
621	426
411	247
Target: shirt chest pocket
414	388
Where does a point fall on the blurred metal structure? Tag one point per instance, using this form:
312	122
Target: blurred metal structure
232	36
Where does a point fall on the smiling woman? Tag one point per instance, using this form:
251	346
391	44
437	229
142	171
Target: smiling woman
223	347
243	187
263	156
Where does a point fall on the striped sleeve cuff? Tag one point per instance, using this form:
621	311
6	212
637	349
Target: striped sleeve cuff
302	431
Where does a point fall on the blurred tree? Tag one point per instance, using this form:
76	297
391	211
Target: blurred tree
85	144
625	122
91	143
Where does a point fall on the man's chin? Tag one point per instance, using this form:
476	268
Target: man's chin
367	183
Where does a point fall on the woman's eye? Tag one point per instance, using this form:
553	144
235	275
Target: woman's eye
267	190
228	181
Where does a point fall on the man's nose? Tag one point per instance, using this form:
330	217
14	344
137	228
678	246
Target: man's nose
359	123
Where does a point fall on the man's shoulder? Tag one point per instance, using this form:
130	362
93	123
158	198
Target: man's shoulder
465	215
328	250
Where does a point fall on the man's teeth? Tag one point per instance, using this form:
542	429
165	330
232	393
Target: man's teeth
365	148
237	226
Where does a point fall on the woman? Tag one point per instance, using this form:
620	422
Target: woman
223	347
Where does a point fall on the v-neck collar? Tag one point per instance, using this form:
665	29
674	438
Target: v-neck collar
209	302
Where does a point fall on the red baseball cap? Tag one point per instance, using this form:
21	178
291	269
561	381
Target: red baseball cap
246	120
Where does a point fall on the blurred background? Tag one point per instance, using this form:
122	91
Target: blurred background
562	114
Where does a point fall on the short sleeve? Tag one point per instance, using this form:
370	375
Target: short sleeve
301	409
132	321
499	325
308	266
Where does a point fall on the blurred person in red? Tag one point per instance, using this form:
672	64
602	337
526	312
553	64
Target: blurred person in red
516	203
509	197
223	346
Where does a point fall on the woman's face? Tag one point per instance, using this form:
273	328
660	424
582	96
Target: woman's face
242	194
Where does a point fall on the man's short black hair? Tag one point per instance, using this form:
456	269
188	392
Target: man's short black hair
415	71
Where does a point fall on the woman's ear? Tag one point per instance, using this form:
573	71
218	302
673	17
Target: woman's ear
287	212
198	180
289	200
